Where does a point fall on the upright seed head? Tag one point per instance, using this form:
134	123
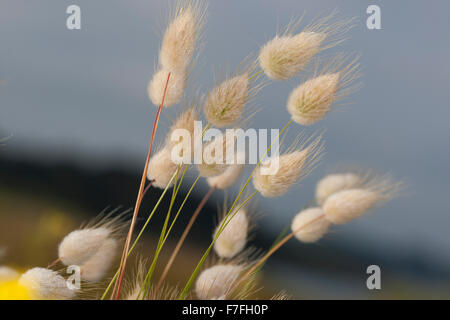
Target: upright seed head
233	238
45	284
310	225
225	103
214	283
292	167
214	157
183	125
347	205
227	178
287	54
161	169
175	87
313	99
333	183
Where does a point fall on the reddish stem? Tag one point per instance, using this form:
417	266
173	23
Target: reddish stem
123	263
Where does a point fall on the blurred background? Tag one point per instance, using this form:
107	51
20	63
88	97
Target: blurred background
75	108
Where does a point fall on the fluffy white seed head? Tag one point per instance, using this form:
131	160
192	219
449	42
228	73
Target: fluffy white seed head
312	100
284	56
180	38
225	103
181	133
81	245
292	167
98	265
227	178
45	284
175	87
233	238
310	225
215	282
347	205
8	274
333	183
161	169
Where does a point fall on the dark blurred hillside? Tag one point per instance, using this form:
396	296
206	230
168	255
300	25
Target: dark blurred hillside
329	269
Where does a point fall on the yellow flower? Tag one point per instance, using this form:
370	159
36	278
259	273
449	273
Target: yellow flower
12	290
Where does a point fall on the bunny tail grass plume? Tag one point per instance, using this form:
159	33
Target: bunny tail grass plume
45	284
335	182
175	87
162	168
347	205
94	247
287	54
233	237
225	105
292	167
227	178
313	99
214	283
8	274
311	225
182	34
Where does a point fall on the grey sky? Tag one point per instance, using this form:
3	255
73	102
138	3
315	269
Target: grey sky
83	94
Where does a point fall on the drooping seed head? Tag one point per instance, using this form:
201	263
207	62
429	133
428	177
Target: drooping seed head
347	205
175	87
161	169
215	282
333	183
225	103
45	284
227	178
292	167
233	238
310	225
312	100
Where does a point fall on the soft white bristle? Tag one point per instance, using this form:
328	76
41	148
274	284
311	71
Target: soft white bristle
45	284
310	225
175	87
215	282
98	265
7	274
333	183
292	167
161	169
227	178
312	100
80	245
225	103
214	161
233	238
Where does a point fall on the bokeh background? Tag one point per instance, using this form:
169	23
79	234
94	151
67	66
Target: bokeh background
75	109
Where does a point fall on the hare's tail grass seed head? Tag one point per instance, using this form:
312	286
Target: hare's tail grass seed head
94	247
310	225
162	168
233	237
346	205
45	284
228	178
313	99
287	54
293	166
179	44
215	282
